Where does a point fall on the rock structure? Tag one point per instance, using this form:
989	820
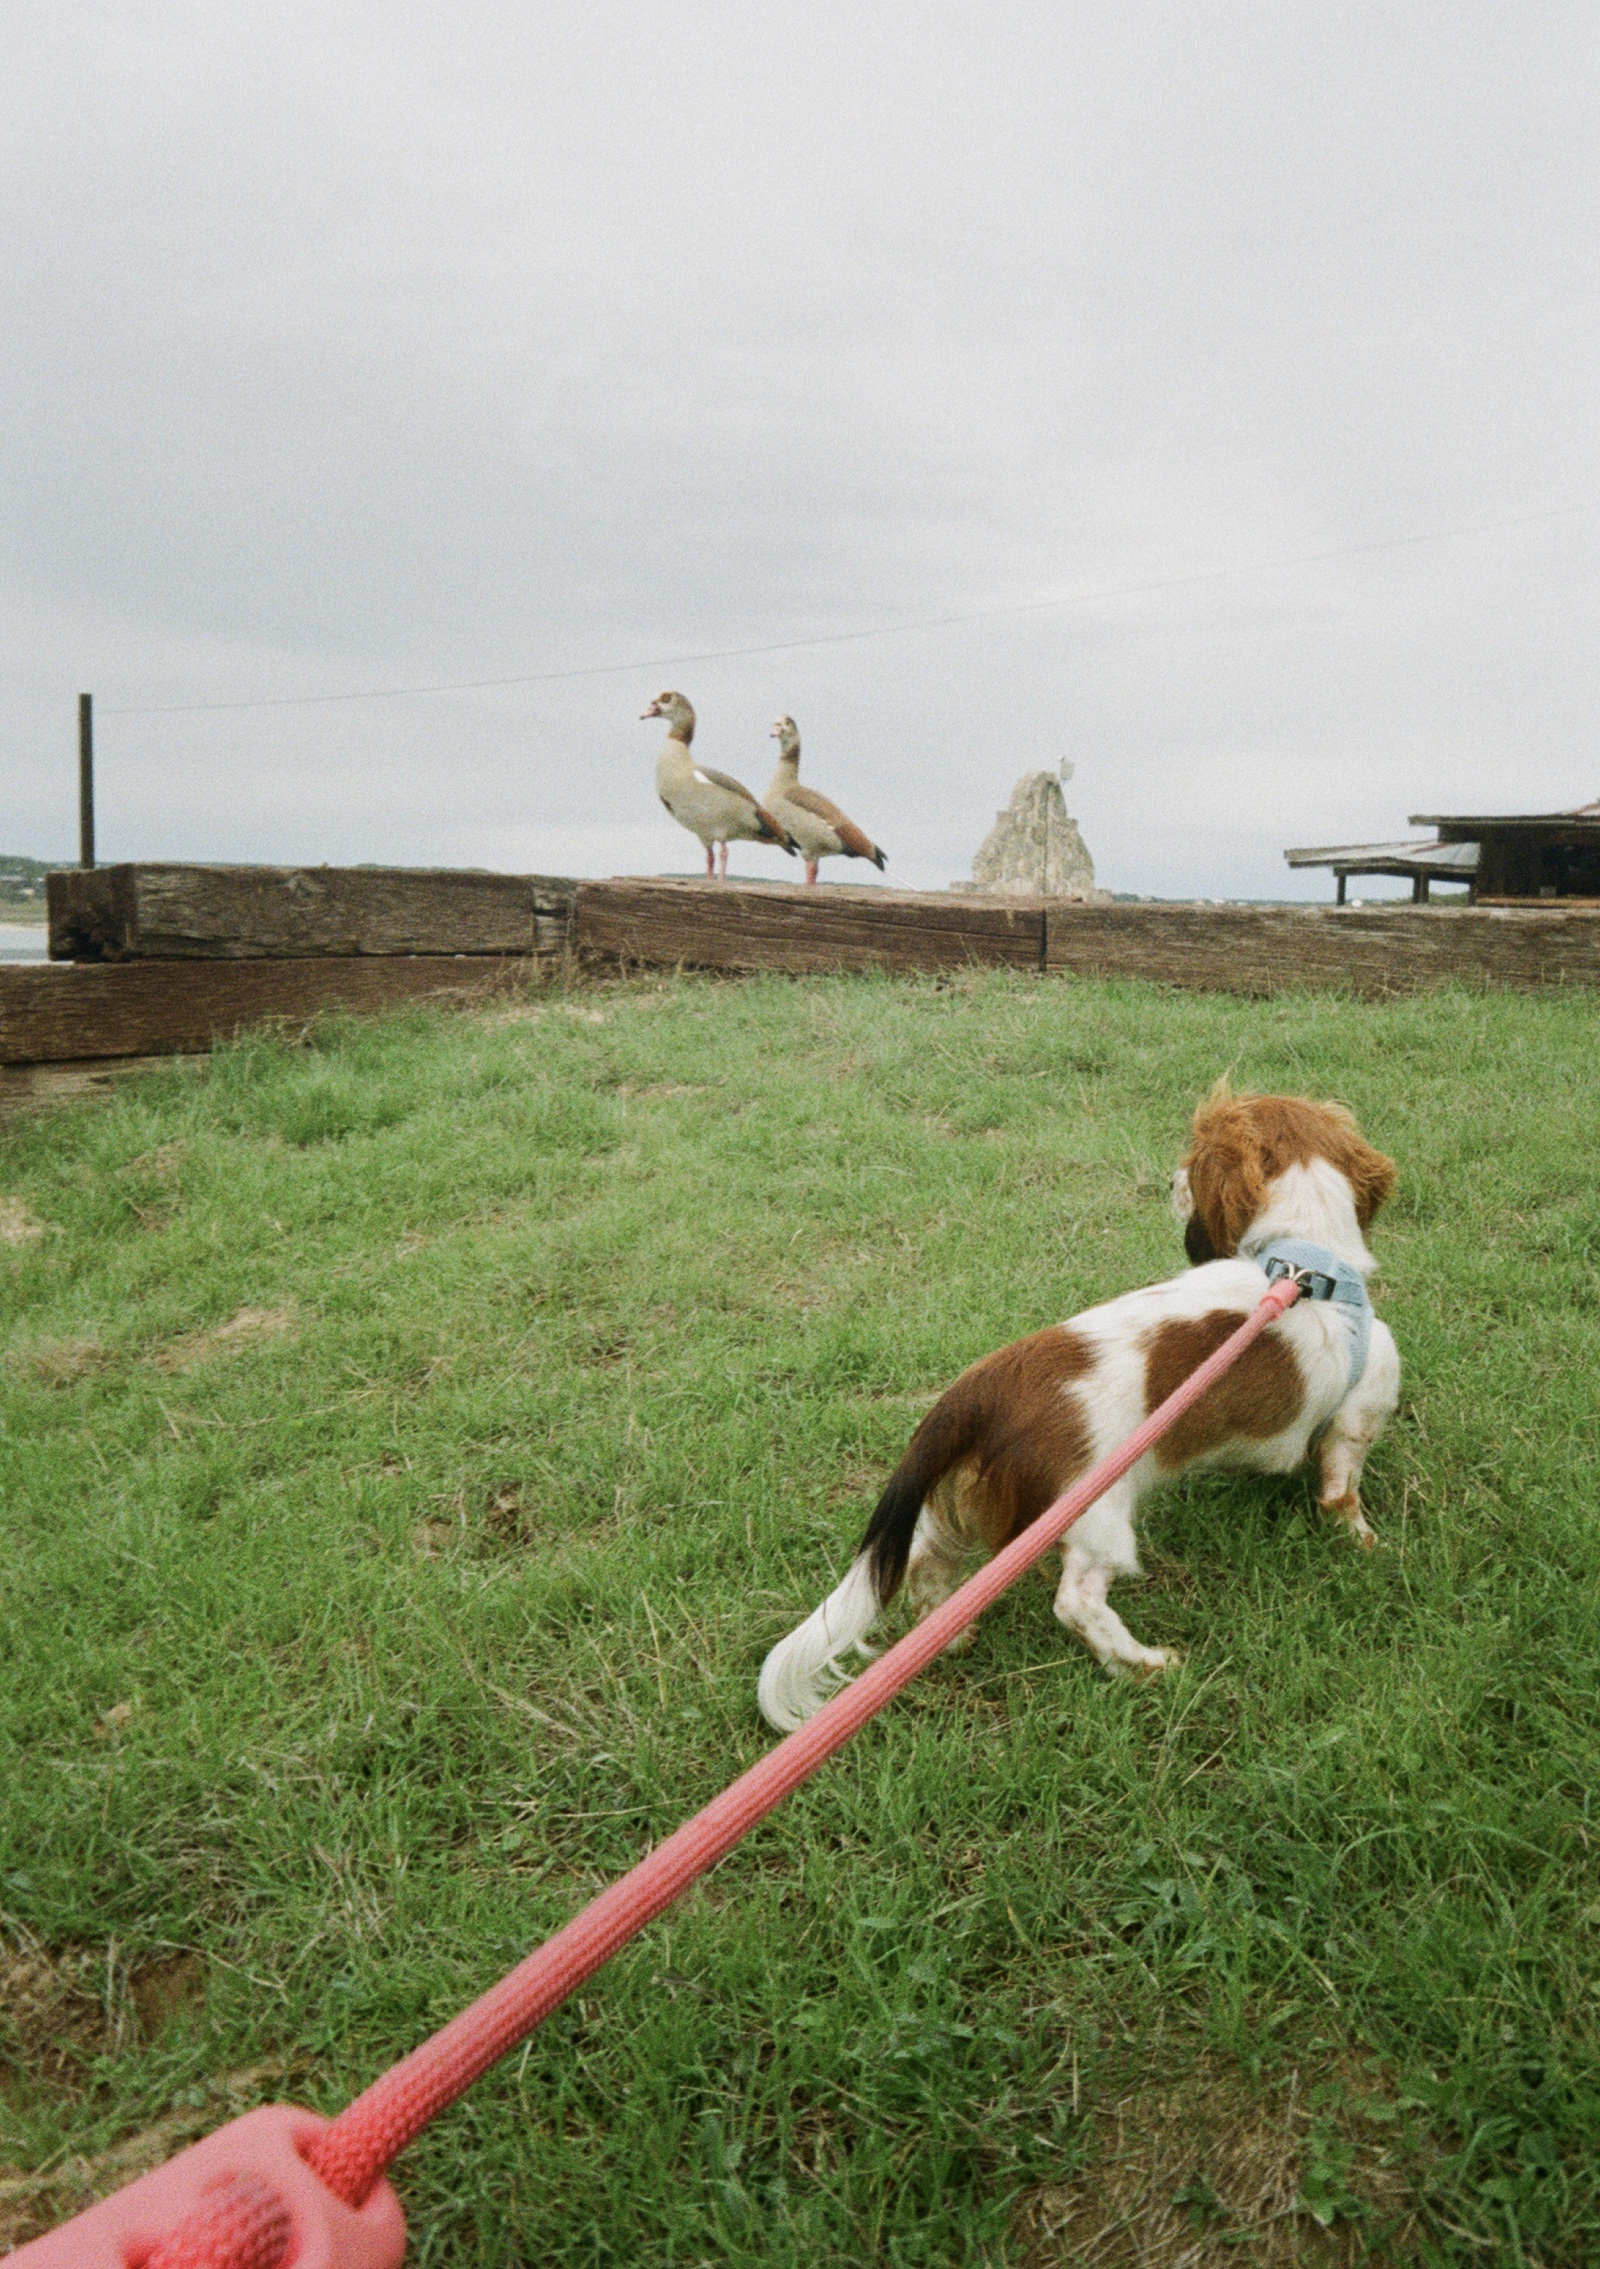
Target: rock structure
1034	849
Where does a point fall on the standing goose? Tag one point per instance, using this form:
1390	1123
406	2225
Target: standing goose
712	805
818	826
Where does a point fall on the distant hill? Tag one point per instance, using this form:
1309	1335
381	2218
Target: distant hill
22	883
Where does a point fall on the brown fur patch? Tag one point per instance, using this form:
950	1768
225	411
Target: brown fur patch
1263	1393
1244	1142
1029	1437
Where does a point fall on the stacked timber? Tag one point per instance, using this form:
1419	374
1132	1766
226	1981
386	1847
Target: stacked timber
166	1008
184	913
169	959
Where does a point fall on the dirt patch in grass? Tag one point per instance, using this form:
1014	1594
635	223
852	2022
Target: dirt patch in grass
52	2009
247	1329
856	1485
164	1989
60	1362
500	1520
61	2006
535	1012
162	1164
17	1225
806	1295
1212	2168
509	1518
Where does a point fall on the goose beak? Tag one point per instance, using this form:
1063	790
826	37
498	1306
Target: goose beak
654	710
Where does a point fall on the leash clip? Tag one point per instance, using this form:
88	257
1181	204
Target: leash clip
1314	1283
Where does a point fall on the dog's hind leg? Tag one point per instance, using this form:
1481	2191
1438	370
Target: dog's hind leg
1098	1550
933	1570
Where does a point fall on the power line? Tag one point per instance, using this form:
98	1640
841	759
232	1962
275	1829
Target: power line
879	630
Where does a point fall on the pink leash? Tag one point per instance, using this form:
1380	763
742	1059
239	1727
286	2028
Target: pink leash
282	2186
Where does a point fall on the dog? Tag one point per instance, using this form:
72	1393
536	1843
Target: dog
1272	1183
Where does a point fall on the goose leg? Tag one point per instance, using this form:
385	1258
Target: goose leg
711	862
722	869
811	870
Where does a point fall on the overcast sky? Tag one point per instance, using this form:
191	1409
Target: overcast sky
353	346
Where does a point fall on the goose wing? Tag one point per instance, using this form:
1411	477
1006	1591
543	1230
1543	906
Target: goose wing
726	780
856	844
773	831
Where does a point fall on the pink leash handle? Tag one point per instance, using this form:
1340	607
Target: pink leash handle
254	2211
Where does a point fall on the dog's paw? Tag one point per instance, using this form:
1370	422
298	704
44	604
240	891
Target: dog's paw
1148	1663
1346	1510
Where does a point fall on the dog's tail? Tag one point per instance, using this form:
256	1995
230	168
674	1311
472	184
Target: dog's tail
804	1669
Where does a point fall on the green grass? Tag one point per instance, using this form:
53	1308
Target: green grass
353	1654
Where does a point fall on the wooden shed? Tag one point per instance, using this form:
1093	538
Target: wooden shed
1508	859
1528	855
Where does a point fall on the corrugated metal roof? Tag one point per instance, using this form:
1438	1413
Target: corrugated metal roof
1587	814
1449	858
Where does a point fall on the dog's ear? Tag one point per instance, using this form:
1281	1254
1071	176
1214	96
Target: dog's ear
1197	1244
1371	1176
1227	1174
1296	1130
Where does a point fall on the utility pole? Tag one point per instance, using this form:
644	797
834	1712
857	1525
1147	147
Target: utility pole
86	779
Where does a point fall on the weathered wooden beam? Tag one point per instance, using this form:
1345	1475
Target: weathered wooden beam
1232	949
726	926
1369	950
150	1008
196	913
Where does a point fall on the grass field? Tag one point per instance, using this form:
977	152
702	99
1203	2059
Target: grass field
412	1438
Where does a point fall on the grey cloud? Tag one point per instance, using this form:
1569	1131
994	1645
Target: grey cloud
357	346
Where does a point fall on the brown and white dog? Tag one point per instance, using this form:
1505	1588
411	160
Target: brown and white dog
1020	1426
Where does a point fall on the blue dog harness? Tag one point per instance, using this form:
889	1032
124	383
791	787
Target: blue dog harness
1323	1276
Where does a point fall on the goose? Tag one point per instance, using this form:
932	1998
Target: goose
712	805
818	826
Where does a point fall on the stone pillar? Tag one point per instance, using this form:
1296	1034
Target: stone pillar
1034	849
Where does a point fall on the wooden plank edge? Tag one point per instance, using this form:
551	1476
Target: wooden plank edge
655	924
95	915
92	1011
1377	953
